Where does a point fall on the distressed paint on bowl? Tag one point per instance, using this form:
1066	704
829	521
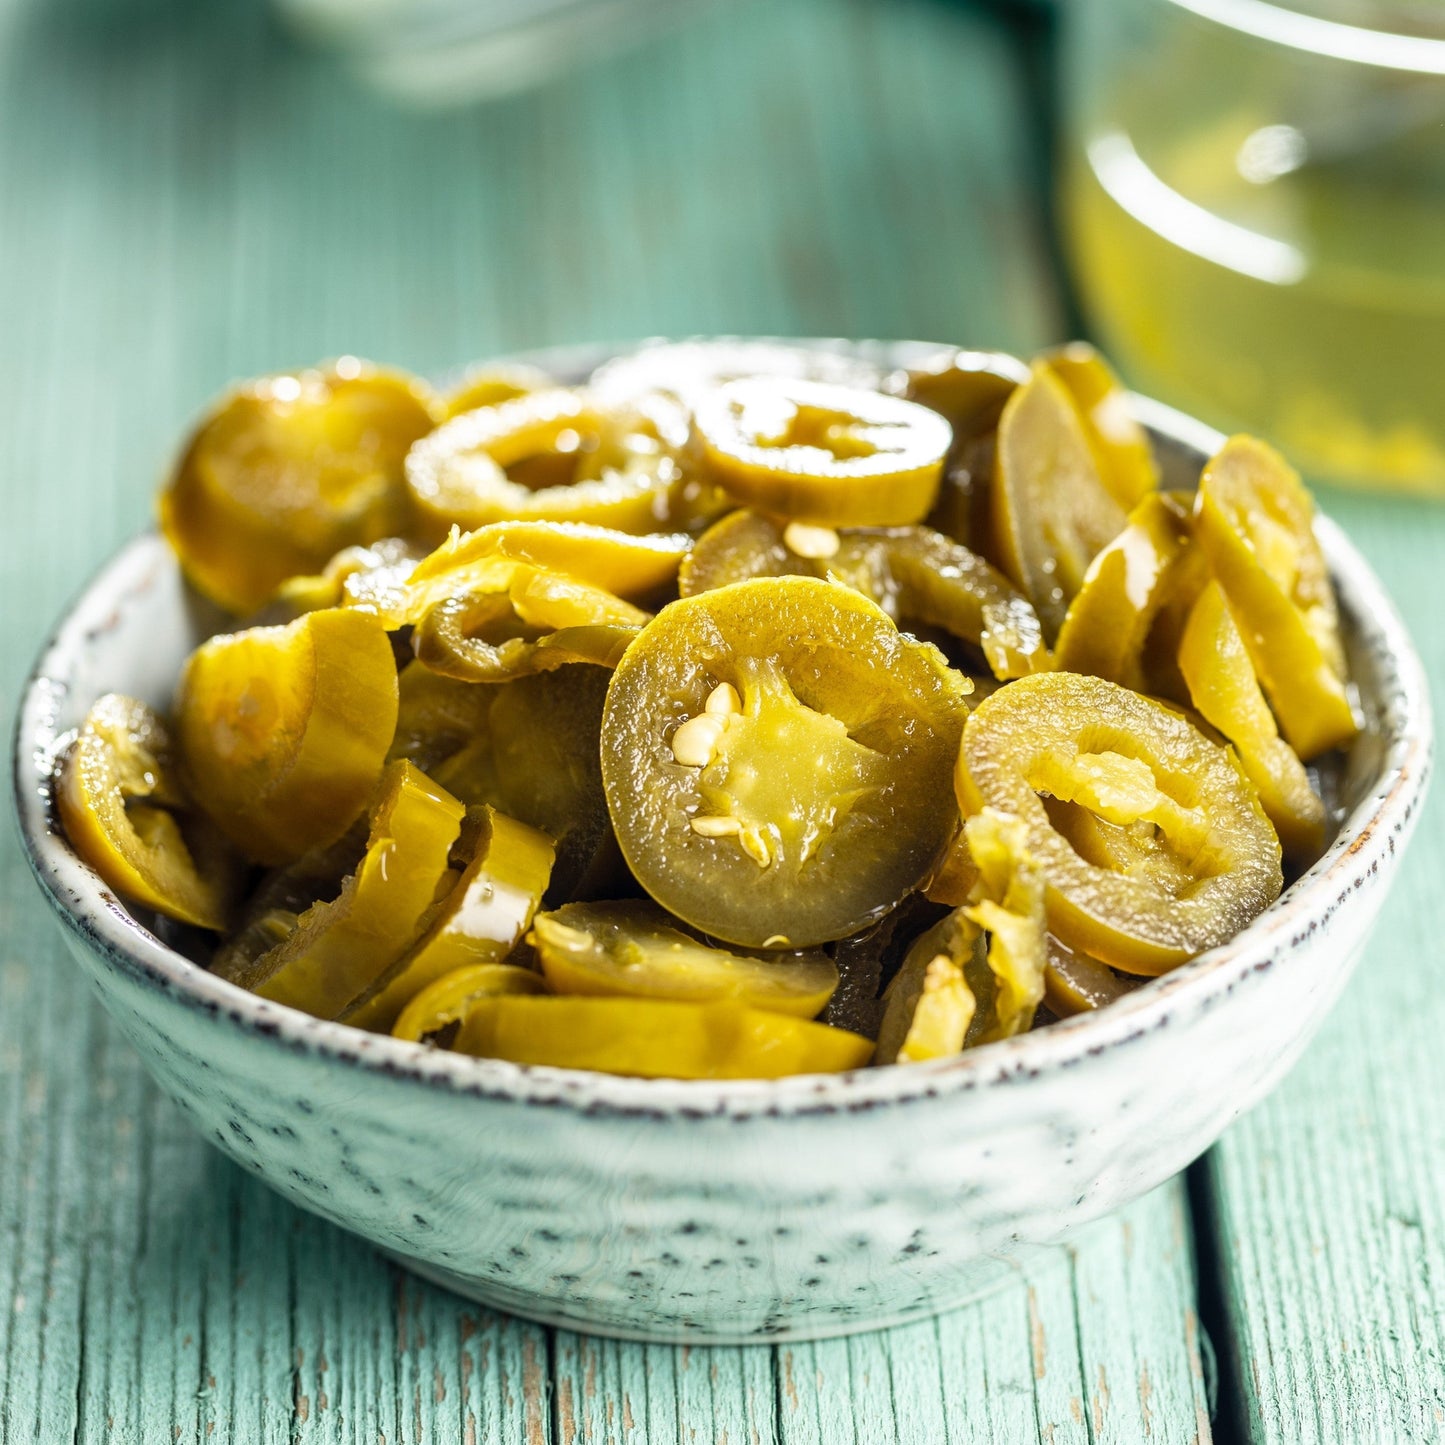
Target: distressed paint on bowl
669	1210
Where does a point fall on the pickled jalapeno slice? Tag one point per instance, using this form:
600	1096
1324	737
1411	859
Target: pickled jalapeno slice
436	716
284	730
480	920
438	1011
928	1005
550	455
1108	622
634	949
635	568
684	372
537	622
1074	983
1120	445
967	388
274	908
741	546
770	753
977	975
918	576
657	1039
1128	761
286	472
1225	690
492	383
928	1011
384	564
340	947
834	455
1007	903
125	811
1052	512
534	754
942	584
1256	525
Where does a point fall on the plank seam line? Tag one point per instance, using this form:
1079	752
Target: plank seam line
775	1359
943	1379
1079	1345
204	1402
549	1385
82	1355
1228	1405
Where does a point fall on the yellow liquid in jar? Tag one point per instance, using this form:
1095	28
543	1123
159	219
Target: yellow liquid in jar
1308	308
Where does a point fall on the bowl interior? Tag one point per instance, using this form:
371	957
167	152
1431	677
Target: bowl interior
133	625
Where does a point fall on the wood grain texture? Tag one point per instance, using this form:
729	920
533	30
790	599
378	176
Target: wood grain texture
1327	1199
1096	1342
184	199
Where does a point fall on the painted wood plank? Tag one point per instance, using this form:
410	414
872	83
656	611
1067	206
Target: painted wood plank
1327	1200
613	1393
1093	1342
189	199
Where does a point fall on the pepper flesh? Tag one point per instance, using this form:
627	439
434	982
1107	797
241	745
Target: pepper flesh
284	729
841	726
928	1005
437	1012
549	455
537	622
929	1009
967	388
1128	760
481	920
1120	445
124	808
1008	903
634	949
492	383
917	575
1225	690
286	472
1256	523
1074	983
354	569
535	755
1127	583
834	455
636	569
652	1038
1052	513
339	948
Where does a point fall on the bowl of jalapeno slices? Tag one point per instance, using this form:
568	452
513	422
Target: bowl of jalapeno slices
721	839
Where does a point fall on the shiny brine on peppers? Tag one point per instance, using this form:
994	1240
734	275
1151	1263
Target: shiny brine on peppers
1126	763
744	709
127	813
836	455
771	752
284	729
286	472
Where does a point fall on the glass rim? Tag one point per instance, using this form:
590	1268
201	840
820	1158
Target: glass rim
1333	39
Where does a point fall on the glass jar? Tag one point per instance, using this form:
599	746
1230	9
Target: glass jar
1254	198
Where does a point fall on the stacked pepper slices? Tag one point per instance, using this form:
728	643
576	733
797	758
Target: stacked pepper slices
635	726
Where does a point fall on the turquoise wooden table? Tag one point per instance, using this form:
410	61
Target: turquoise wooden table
185	198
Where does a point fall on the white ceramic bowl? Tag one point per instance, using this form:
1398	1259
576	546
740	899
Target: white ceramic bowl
725	1211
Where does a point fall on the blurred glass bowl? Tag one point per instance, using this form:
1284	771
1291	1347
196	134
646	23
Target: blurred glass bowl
449	52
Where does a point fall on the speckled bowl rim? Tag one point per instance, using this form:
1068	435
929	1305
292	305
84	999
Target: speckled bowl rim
92	912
